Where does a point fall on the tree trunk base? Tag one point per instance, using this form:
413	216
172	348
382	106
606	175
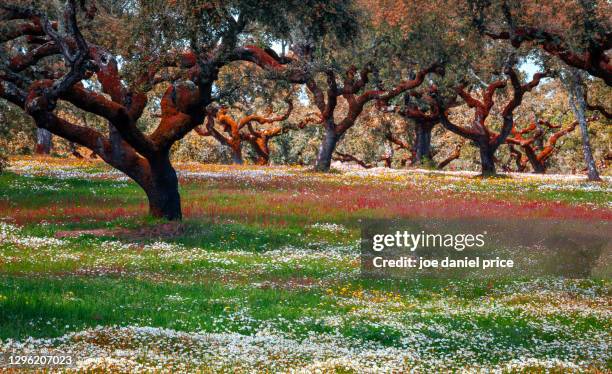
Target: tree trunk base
162	191
237	157
487	162
422	144
596	178
44	142
326	151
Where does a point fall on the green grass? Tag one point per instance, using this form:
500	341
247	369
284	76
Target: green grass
51	306
34	192
74	303
224	273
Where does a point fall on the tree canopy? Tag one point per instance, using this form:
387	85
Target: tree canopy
129	79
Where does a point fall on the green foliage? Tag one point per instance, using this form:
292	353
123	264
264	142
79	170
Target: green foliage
158	28
3	160
17	135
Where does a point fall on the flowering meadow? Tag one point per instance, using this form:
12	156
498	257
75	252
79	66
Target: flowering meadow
263	274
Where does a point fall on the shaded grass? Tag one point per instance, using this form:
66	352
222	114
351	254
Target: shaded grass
38	191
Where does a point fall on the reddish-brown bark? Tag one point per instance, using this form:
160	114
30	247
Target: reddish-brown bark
233	134
594	60
143	157
351	89
259	139
535	155
232	128
591	57
488	141
335	130
517	157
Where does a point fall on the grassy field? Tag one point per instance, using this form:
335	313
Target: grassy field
263	274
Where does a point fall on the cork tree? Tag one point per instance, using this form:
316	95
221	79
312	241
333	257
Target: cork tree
203	40
577	32
479	132
264	129
378	66
256	129
536	150
356	99
422	111
354	88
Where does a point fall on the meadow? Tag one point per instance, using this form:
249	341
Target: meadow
263	273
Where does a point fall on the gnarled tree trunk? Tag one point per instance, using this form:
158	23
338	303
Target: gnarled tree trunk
260	145
487	140
327	148
44	141
236	155
422	142
538	166
143	157
487	158
161	187
578	105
